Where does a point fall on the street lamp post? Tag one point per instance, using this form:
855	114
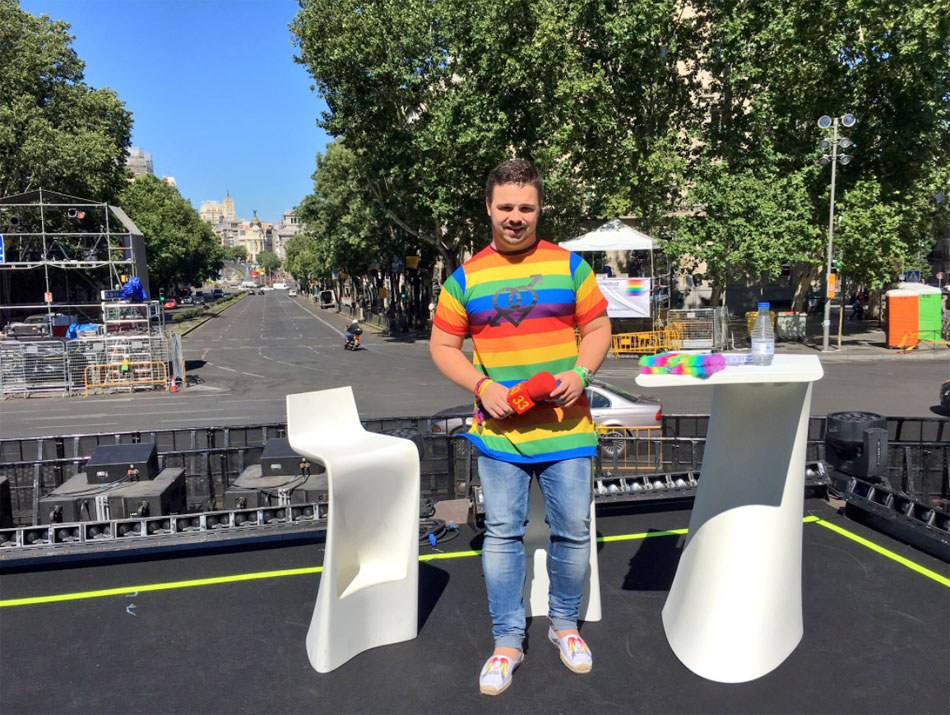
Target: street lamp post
824	122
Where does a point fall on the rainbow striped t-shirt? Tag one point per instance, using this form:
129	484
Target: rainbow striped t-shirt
521	310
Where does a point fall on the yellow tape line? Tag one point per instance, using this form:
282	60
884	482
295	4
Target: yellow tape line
884	552
645	535
126	590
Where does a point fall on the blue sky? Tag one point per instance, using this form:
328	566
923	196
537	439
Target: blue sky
213	89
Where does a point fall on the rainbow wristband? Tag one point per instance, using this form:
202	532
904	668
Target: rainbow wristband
479	386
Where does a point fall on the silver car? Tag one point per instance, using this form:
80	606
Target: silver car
610	406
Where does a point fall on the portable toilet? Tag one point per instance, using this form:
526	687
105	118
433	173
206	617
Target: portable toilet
913	313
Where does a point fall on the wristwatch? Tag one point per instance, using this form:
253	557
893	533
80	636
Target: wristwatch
586	374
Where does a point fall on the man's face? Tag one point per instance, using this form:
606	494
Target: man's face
514	210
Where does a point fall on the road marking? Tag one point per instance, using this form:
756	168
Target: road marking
239	372
332	327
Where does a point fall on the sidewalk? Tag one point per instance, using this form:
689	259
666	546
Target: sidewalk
860	340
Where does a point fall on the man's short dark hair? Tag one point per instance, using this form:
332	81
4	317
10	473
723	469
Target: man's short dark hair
514	171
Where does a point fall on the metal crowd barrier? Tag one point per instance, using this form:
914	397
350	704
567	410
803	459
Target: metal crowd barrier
126	375
60	365
702	328
648	342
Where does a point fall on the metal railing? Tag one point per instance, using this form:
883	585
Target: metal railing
648	342
702	328
214	457
127	375
59	365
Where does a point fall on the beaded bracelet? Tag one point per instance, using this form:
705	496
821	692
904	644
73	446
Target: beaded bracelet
479	386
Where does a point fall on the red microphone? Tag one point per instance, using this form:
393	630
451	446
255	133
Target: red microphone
525	395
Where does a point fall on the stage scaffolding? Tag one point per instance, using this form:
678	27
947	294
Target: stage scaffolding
43	230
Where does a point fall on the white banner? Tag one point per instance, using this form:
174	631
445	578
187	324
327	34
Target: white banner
626	297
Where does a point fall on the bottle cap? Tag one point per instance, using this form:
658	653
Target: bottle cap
763	305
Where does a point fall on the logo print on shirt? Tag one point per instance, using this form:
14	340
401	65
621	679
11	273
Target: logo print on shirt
515	312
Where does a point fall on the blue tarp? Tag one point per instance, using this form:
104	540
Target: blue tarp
133	292
72	332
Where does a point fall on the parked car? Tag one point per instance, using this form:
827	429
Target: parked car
610	406
187	300
170	303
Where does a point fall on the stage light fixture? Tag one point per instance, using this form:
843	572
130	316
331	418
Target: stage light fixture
245	518
66	534
155	527
301	513
187	523
128	528
96	531
36	537
218	521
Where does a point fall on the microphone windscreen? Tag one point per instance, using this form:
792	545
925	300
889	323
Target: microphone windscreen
541	386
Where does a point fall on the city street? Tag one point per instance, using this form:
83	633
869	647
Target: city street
247	359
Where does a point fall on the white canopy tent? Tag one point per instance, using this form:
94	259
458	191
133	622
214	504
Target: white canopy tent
614	236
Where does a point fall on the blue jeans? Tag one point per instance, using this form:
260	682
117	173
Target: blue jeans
566	486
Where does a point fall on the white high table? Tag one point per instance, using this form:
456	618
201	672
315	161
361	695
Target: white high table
734	612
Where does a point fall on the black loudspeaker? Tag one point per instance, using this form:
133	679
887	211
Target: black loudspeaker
856	444
128	462
279	460
76	499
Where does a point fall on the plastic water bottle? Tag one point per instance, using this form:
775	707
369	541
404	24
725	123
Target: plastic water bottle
763	338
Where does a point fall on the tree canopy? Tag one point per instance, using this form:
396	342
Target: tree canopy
181	248
268	260
677	115
56	132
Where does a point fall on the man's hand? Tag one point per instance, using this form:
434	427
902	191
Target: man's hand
569	390
494	399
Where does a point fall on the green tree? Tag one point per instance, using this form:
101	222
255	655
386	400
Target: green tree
747	225
773	68
56	132
181	248
430	95
268	261
303	258
867	239
350	230
235	253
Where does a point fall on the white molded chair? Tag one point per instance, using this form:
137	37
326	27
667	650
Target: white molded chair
369	588
536	583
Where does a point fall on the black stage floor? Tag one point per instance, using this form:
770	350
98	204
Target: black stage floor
877	636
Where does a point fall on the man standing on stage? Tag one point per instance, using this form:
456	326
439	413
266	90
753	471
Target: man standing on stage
521	298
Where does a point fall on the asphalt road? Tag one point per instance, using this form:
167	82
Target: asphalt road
264	347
